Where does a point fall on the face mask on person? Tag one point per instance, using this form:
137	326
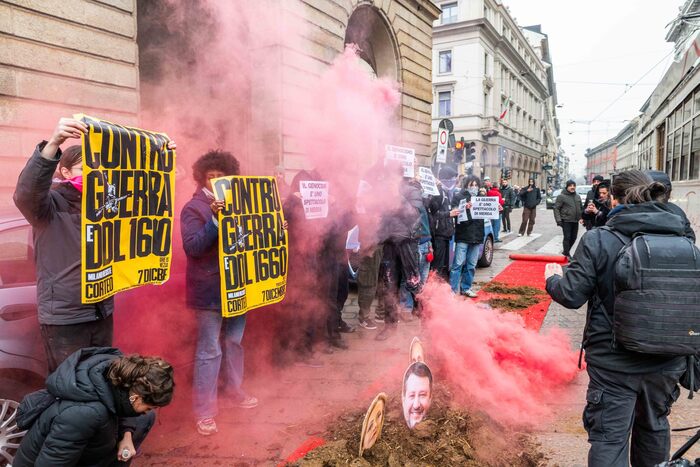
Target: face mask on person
473	190
77	182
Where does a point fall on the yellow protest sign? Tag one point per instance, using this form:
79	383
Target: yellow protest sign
127	208
252	243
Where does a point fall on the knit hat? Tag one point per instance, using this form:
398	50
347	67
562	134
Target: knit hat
598	178
569	183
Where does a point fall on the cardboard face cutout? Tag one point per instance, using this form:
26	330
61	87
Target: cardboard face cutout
417	393
373	423
416	351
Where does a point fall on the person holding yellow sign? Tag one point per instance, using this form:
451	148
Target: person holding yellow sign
200	237
54	212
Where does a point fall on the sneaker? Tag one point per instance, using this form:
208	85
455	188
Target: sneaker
469	293
498	241
520	235
206	427
345	328
378	319
248	402
367	324
309	362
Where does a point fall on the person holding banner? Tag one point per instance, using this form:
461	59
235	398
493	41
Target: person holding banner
443	227
200	239
469	235
492	190
54	212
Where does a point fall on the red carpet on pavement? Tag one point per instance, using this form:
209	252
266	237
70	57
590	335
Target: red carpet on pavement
527	270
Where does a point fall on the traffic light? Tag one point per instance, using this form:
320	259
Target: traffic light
471	151
459	151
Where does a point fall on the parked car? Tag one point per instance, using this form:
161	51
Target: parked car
552	198
22	358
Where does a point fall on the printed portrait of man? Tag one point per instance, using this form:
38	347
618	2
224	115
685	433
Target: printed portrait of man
373	423
417	393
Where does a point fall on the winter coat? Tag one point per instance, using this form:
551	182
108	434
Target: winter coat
200	240
590	278
567	207
401	224
471	231
599	219
530	199
54	213
496	193
442	224
82	426
674	208
509	196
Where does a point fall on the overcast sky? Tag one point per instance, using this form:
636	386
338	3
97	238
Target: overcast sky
597	47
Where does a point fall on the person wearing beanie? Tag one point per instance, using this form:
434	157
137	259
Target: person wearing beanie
567	213
662	177
591	196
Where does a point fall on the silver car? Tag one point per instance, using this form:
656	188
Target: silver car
22	358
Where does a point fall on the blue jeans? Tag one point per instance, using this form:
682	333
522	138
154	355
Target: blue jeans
406	297
464	266
207	360
496	224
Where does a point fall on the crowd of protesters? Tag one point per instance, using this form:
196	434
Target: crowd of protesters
399	244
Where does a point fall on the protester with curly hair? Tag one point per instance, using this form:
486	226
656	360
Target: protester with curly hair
200	237
101	412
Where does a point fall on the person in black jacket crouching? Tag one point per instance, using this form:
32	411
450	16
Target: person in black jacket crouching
629	393
102	409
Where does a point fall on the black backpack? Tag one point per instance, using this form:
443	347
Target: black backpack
657	297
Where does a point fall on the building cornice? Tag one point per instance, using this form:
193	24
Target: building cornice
425	8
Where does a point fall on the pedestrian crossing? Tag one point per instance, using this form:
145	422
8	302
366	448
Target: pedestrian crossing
552	247
520	242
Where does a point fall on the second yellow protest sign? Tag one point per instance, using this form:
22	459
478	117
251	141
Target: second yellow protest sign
252	243
127	208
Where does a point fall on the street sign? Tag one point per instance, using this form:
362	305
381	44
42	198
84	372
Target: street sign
443	136
447	124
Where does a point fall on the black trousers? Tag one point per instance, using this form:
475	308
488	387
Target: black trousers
60	341
505	216
570	233
400	261
343	289
620	404
441	257
327	283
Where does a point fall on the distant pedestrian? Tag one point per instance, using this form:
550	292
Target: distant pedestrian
596	211
592	194
567	214
509	198
530	197
629	393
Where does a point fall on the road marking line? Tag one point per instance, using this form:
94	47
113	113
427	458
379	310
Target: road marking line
520	242
553	246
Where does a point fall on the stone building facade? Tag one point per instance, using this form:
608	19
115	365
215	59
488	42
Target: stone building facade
492	83
56	58
62	57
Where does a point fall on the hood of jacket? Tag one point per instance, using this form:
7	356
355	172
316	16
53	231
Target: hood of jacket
412	193
81	377
652	217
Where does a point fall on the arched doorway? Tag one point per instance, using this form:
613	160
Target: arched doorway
369	29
